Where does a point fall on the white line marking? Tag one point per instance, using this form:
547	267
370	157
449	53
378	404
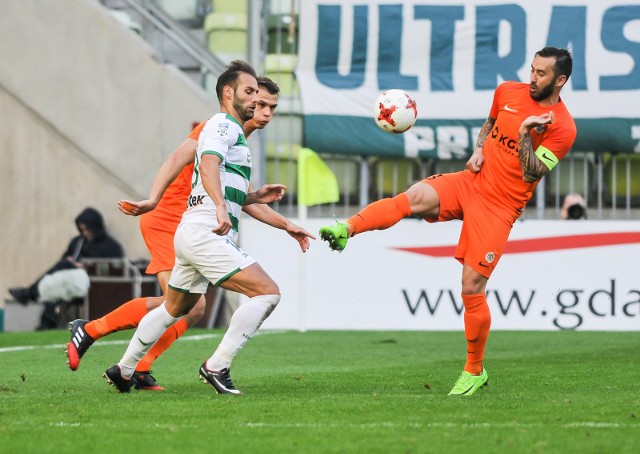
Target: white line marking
393	425
100	343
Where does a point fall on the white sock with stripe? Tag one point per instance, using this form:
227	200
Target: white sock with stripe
151	327
245	322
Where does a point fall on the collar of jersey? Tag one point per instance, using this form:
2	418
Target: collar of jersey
232	118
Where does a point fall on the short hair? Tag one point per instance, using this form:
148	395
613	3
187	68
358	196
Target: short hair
564	61
231	74
270	85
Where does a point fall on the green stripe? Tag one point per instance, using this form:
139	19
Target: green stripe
243	171
322	132
196	172
234	195
213	153
179	289
224	278
241	141
233	119
234	222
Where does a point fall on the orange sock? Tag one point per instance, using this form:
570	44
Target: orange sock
477	322
169	337
124	317
381	215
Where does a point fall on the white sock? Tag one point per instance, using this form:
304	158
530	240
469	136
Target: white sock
245	322
150	328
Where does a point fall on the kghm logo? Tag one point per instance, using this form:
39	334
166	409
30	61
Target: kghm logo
504	142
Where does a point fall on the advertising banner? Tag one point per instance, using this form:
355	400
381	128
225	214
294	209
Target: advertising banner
450	56
554	275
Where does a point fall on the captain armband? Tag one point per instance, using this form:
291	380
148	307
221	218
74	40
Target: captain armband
547	157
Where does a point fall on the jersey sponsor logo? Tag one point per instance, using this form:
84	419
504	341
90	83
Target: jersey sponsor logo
505	142
223	129
194	200
509	109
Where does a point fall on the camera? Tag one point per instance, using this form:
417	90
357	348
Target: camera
576	211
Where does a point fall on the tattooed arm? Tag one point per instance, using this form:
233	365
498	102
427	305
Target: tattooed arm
532	168
477	159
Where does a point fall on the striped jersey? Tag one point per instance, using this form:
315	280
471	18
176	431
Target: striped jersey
222	136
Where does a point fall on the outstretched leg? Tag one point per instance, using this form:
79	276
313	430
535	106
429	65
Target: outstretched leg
421	199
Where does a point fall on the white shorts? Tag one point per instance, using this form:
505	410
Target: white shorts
203	257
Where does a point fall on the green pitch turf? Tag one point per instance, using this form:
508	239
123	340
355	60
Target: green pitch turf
322	392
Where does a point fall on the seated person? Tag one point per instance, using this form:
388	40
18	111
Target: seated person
60	282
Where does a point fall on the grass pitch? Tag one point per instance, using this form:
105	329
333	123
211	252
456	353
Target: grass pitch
364	392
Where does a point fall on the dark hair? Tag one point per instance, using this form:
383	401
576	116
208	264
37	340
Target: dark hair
231	74
564	61
270	85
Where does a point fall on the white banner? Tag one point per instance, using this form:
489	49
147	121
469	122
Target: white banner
555	275
450	56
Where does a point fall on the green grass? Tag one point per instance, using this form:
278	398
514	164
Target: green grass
365	392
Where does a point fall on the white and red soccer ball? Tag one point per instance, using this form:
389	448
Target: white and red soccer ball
395	111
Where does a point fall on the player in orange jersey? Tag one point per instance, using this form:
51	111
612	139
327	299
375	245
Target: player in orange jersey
158	227
528	131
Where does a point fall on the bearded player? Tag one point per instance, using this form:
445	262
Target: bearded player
158	226
528	131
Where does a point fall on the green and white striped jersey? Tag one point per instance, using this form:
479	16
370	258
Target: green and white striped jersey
222	135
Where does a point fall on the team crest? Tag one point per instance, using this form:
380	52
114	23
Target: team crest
541	128
490	257
223	129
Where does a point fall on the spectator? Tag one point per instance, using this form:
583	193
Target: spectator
67	280
574	207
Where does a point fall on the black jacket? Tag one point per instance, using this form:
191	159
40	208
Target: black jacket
102	246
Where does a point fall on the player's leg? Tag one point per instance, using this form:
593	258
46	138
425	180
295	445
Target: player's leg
477	323
84	333
144	379
420	199
264	295
482	242
151	327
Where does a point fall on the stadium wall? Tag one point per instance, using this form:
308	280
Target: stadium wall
88	115
554	275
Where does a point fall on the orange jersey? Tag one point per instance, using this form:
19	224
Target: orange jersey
500	178
174	200
159	226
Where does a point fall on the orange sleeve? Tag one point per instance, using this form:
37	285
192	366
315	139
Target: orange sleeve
196	131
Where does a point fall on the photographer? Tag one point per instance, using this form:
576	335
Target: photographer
574	207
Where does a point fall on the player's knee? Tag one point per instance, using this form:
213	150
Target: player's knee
272	299
423	199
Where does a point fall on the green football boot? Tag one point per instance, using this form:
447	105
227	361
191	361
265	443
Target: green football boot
337	236
467	384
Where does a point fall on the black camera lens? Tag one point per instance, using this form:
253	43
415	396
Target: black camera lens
576	211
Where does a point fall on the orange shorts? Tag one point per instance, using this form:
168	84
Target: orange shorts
485	226
157	231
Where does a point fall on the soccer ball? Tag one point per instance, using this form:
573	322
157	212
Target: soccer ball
395	111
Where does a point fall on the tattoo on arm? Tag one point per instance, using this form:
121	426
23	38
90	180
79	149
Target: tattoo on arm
484	132
532	168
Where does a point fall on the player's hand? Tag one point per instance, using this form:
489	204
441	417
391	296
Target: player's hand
300	235
474	164
537	120
224	222
136	208
268	193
